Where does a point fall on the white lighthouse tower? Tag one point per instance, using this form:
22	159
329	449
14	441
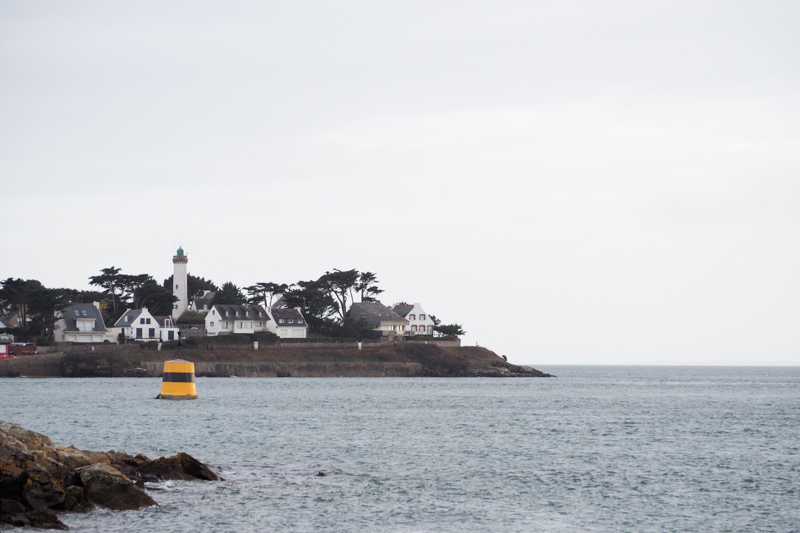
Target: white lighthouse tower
180	277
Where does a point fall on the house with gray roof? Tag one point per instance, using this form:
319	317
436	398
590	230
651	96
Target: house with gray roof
228	319
140	325
380	317
202	303
420	322
288	323
82	323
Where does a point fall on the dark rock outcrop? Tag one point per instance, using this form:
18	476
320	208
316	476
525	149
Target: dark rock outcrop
39	479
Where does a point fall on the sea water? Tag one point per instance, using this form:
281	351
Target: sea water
601	449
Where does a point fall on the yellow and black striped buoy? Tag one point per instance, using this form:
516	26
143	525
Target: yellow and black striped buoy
178	382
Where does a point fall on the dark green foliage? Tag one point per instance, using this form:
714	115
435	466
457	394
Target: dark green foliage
191	317
194	285
158	300
35	307
446	330
229	294
263	293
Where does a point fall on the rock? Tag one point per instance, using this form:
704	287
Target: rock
39	479
179	467
105	485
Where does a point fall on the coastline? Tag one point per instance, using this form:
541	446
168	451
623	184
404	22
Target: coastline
400	361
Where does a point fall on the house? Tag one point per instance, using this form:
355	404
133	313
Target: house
82	323
228	319
288	323
380	317
202	303
419	321
140	325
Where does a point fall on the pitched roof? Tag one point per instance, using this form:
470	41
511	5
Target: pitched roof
403	310
82	311
162	321
204	300
287	314
229	311
132	315
4	323
375	314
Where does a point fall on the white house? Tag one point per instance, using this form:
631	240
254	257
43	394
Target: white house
228	319
380	317
288	323
82	323
140	325
419	322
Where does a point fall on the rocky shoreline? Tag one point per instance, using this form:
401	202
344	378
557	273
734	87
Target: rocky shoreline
39	480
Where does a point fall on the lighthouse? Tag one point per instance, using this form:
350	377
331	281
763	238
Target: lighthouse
180	277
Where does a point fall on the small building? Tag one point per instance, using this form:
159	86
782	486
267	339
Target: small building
419	322
288	323
231	319
82	323
380	317
140	325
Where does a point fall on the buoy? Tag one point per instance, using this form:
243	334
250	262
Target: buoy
178	382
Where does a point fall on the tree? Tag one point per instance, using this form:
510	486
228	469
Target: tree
340	284
447	330
229	294
194	285
158	299
35	306
367	286
312	298
264	293
109	280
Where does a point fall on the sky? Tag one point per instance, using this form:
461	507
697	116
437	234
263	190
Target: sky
574	182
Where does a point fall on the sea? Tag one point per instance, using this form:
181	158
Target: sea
596	449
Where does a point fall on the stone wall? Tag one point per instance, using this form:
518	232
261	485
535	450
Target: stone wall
295	369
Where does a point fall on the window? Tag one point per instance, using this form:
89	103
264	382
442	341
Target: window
126	319
280	320
412	317
237	313
413	328
213	312
212	325
138	333
151	333
291	321
247	313
258	324
227	313
83	312
147	321
422	317
241	326
77	313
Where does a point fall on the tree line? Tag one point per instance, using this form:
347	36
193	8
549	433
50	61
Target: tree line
325	302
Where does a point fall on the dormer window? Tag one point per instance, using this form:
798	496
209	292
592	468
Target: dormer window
237	313
247	313
227	313
280	320
126	319
291	321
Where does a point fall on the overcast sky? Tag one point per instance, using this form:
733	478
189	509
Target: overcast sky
571	181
